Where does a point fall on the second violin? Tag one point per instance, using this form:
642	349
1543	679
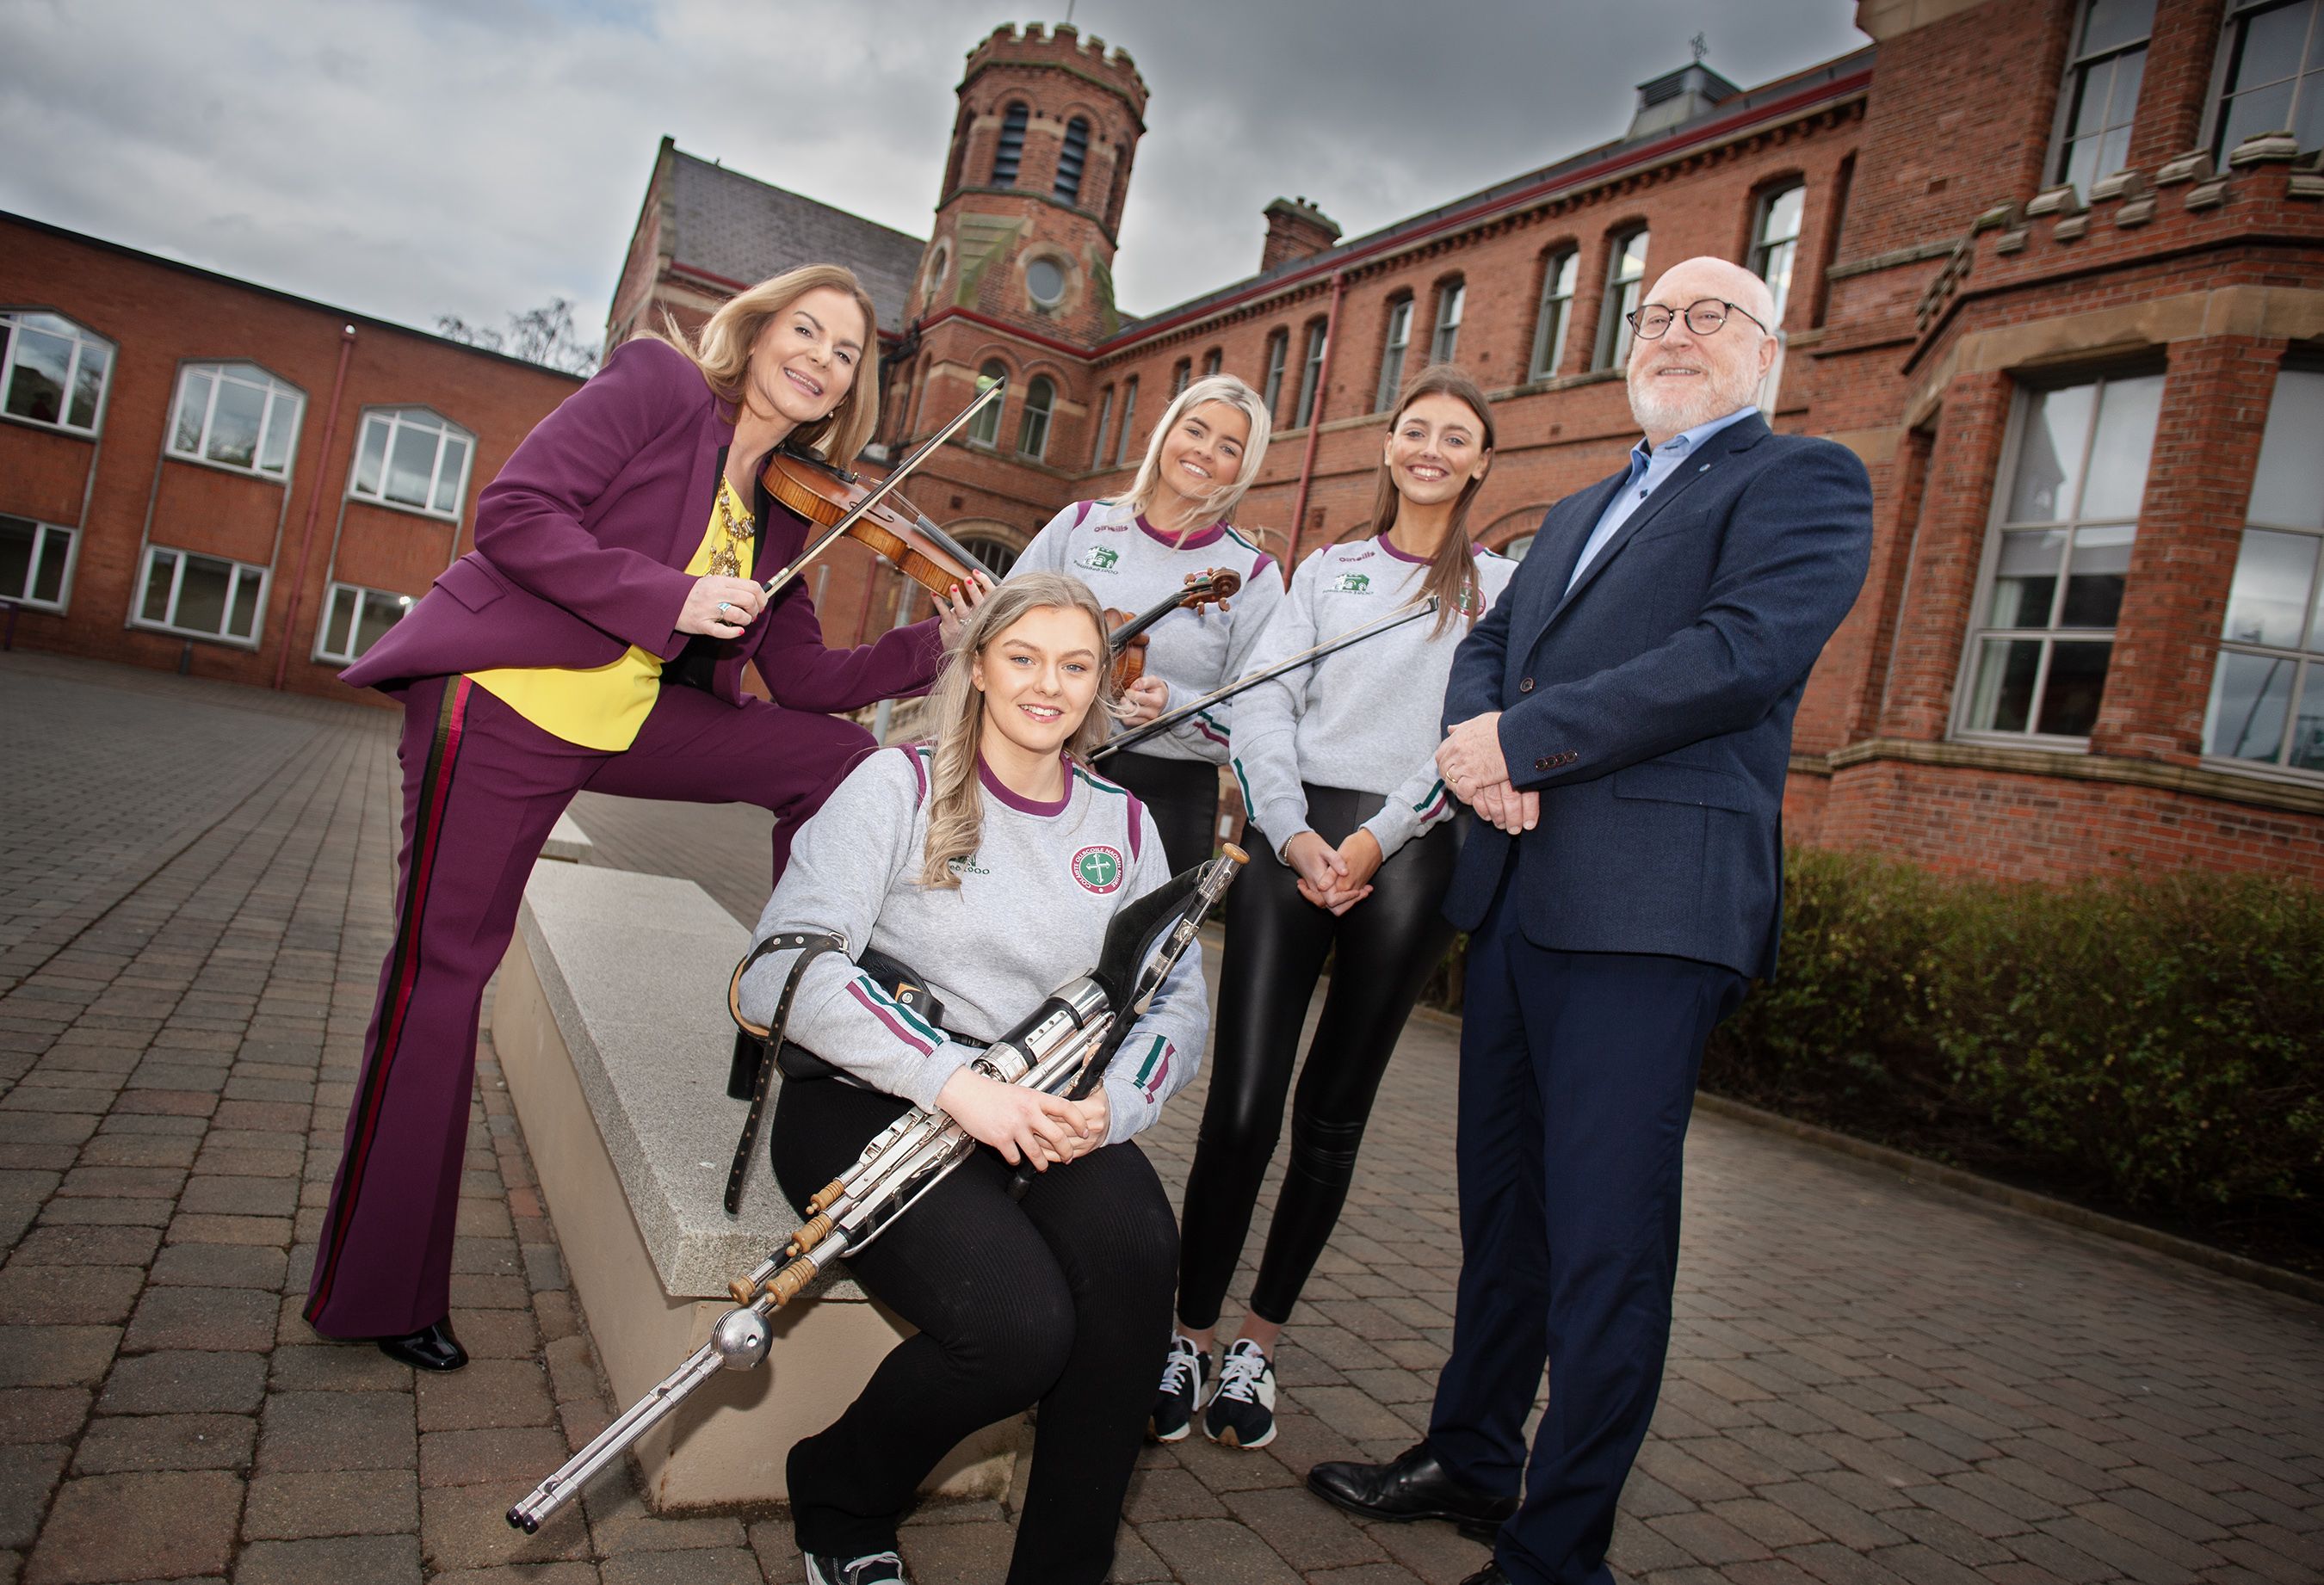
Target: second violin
1129	637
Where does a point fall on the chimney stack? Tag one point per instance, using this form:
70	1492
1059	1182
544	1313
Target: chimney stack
1296	229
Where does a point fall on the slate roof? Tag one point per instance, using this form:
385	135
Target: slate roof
743	230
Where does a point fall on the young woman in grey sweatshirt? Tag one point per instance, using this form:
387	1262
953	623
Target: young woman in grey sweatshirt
1351	854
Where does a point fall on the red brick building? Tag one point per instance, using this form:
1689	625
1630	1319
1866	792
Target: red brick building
201	473
2053	268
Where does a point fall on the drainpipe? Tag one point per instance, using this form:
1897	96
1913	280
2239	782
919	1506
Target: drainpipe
314	505
1315	421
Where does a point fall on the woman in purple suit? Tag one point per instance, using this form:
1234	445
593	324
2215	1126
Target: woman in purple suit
595	638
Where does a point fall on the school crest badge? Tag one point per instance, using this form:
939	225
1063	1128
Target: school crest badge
1099	870
1098	559
1350	582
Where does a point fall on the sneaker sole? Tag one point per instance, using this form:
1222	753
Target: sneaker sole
1230	1437
1178	1435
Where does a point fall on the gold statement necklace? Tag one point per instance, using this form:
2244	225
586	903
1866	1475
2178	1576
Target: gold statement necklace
736	526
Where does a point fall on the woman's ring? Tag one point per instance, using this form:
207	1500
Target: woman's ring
724	606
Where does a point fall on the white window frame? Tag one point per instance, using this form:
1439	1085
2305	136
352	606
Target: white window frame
1445	342
1988	567
285	405
346	654
166	625
2305	653
1311	373
396	420
1622	295
1129	420
1392	350
45	536
984	429
1560	267
1104	424
1033	420
2234	31
2083	67
83	339
1765	249
1278	353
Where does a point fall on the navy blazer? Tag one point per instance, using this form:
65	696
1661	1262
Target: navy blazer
1652	707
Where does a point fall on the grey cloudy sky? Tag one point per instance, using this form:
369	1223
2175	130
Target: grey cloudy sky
413	158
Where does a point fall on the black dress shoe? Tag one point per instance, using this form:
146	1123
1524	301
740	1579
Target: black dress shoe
1414	1486
1491	1575
431	1348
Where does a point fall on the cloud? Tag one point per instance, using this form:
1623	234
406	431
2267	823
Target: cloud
413	158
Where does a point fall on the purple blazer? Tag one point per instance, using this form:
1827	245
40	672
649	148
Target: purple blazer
581	548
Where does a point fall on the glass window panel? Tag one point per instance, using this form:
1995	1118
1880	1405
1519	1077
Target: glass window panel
36	388
55	324
89	384
281	428
448	476
2025	579
237	420
2050	455
985	427
2125	437
339	624
2075	685
1516	548
2316	621
1784	211
2122	100
2267	109
247	583
2250	695
2003	698
49	573
1128	417
160	567
2273	42
193	406
2095	580
2112	22
411	465
2308	113
2315	40
2289	486
2114	151
2081	167
2308	724
372	459
18	541
203	592
380	613
2269	596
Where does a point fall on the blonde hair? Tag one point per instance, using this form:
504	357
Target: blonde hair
721	349
955	801
1225	388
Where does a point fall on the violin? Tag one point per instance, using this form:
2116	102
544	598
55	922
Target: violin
1127	636
894	528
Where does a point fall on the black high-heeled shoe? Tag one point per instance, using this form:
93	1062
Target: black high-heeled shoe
431	1348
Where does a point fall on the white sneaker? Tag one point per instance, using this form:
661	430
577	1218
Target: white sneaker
878	1568
1243	1411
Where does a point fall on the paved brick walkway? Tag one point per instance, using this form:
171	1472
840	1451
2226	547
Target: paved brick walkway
1872	1381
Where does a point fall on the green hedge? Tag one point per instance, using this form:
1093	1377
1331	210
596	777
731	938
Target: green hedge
2150	1046
2155	1043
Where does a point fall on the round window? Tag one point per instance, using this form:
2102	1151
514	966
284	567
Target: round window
1045	280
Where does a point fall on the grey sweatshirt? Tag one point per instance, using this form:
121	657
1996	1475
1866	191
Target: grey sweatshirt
1364	718
1132	567
1029	915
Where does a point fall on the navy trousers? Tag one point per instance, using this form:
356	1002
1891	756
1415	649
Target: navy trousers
1577	1077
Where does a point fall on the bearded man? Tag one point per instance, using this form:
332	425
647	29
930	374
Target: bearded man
1620	722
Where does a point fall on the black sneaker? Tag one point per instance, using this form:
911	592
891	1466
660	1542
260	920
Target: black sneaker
1243	1411
1185	1378
878	1568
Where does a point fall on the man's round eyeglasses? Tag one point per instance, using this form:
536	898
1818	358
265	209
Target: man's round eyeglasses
1703	318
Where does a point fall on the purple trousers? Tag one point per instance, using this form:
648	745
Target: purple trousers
482	789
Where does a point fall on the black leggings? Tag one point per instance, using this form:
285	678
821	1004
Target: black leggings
1062	1298
1183	795
1384	950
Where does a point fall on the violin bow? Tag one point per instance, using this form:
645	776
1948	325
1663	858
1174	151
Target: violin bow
887	486
1395	619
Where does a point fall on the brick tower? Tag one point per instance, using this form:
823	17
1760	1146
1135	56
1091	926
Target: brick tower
1026	225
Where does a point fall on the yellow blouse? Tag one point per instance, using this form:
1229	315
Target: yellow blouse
602	707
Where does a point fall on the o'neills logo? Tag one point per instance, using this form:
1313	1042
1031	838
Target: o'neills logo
1099	869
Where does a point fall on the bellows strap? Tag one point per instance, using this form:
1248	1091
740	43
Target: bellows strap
810	944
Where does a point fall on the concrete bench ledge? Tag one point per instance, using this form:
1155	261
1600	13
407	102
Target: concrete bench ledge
611	1026
567	840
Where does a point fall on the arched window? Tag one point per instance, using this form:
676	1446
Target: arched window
1775	241
1181	372
411	458
1211	361
1392	350
1311	373
1071	158
1626	284
984	429
1033	426
236	416
1278	348
997	556
1010	150
1557	309
1516	548
1447	342
1128	419
52	372
1105	422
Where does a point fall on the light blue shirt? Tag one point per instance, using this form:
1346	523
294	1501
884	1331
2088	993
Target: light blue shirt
1649	466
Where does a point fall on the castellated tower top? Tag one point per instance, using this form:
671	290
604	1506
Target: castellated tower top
1063	48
